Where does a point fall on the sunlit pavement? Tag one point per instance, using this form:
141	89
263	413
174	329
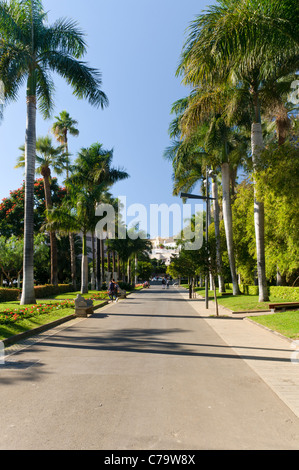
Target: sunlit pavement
153	371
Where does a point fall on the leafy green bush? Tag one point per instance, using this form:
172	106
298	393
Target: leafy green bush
287	293
125	286
6	295
44	292
290	294
249	290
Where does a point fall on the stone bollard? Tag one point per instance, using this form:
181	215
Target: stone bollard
122	294
83	307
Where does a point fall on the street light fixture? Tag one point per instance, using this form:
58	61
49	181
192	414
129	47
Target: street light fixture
207	199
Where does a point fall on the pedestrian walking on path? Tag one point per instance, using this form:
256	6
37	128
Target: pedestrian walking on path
113	291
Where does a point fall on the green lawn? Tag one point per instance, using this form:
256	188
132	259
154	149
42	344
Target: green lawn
15	304
16	318
285	323
242	302
26	324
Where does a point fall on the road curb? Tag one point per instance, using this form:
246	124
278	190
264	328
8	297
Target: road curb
290	340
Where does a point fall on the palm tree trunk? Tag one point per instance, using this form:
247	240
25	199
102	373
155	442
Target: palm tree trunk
28	295
71	235
53	242
73	260
102	262
118	266
93	275
84	267
54	264
136	267
228	224
98	264
217	235
109	261
257	144
113	263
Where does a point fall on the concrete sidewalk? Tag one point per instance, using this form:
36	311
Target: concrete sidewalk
272	356
154	371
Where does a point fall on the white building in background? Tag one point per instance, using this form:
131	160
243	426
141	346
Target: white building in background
163	249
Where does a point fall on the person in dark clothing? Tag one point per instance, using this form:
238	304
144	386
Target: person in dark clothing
112	292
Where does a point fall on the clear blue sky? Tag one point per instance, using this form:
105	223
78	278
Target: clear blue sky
136	44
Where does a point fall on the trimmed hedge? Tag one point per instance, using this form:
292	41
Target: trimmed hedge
289	294
7	295
41	292
249	290
44	292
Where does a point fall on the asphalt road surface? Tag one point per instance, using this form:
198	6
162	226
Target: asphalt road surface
144	373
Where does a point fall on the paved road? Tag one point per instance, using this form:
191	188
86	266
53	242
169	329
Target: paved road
148	373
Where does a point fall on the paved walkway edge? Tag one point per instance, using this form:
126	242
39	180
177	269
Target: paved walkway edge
274	357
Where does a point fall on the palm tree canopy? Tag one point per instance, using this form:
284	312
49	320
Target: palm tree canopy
64	125
31	50
93	167
47	156
244	37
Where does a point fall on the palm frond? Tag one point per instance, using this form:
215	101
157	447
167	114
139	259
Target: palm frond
64	35
84	80
44	92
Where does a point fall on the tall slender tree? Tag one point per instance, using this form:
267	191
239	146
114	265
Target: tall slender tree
48	158
248	44
207	137
61	128
92	177
39	49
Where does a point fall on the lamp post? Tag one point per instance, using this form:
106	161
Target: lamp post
207	199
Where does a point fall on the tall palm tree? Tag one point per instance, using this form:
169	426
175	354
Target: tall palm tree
39	49
92	177
48	157
206	135
63	126
247	44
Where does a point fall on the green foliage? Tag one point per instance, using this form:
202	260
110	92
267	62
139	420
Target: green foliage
144	270
289	294
12	208
283	293
47	291
7	295
125	286
11	256
244	235
286	323
277	185
59	47
10	316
